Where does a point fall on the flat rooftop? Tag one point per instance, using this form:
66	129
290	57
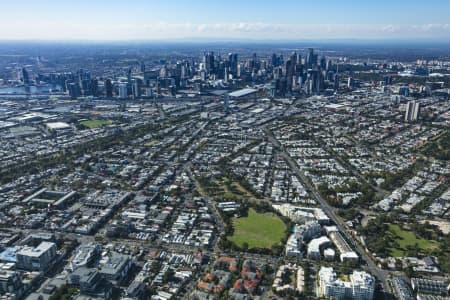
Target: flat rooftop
57	125
243	92
36	251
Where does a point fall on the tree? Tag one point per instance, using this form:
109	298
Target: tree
244	246
409	271
348	214
168	275
64	293
268	269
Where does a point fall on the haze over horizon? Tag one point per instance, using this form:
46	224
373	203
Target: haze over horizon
236	20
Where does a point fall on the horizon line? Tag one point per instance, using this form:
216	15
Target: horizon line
233	40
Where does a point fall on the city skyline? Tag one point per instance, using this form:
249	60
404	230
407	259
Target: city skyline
206	150
233	20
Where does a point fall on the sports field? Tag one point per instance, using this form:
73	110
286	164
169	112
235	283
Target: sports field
258	230
95	123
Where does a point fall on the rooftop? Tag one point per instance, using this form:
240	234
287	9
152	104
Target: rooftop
57	125
36	251
243	92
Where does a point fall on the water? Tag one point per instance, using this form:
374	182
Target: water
30	89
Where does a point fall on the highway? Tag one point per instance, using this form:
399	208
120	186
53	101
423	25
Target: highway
372	267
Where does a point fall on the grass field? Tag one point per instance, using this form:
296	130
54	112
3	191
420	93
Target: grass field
258	230
407	238
95	123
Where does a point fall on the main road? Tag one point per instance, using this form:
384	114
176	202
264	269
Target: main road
373	268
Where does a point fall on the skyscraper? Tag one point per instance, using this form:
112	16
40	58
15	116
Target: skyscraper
225	75
293	60
108	88
254	60
336	81
74	89
299	59
129	76
323	63
310	58
136	88
25	76
329	65
288	73
233	61
94	87
123	90
208	61
274	60
86	87
350	83
412	111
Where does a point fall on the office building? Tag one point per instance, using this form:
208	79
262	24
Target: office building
74	89
350	83
123	90
310	58
403	91
136	88
38	258
208	61
233	62
25	76
108	88
115	267
91	284
412	111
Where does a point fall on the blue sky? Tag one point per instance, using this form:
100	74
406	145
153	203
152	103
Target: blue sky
231	19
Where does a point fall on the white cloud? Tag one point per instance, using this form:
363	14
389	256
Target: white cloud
433	27
251	30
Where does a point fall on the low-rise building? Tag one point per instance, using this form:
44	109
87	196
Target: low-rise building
402	289
11	283
430	286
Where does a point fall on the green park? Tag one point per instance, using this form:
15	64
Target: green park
95	123
257	230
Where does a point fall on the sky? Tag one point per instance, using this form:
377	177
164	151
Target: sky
121	20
